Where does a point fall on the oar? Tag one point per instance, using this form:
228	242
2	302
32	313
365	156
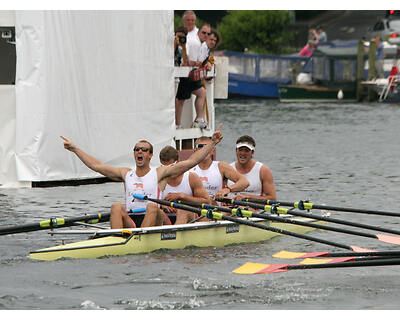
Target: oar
219	216
304	205
248	214
259	268
53	223
278	210
303	255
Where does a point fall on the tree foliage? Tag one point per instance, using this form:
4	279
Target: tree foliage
258	31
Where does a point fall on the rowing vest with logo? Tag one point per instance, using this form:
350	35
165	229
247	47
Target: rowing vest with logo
255	186
211	178
146	185
183	187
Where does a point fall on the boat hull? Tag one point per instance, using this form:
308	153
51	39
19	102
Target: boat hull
201	234
307	93
253	89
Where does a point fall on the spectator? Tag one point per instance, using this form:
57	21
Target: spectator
379	56
180	53
308	49
188	87
213	39
202	34
212	42
189	21
321	34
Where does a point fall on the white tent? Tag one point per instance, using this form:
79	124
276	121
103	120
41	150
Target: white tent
104	79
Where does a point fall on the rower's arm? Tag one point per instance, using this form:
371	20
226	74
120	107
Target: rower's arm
200	193
198	156
267	182
115	173
228	172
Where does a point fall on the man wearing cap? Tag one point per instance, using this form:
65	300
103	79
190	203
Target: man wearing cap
259	175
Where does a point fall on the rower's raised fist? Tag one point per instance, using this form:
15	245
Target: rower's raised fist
68	144
217	135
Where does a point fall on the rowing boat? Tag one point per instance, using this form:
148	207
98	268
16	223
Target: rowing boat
118	242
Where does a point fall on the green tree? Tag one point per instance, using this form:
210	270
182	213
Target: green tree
259	31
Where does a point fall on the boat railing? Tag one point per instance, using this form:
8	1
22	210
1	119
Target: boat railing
264	68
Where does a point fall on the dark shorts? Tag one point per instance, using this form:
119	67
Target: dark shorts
186	87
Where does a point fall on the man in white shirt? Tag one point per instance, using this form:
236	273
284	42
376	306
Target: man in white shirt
186	186
188	87
215	174
259	175
143	179
189	21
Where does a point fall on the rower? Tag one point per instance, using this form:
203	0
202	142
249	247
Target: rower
187	187
141	180
215	174
258	174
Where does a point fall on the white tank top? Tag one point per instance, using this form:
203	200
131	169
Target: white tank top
255	186
211	178
146	185
183	187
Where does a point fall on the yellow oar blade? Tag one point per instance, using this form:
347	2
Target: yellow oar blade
299	255
250	268
288	255
260	268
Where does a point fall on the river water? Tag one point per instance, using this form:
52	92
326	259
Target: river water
336	154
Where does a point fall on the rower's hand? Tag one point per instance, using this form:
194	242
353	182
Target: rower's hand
172	196
217	135
221	193
169	209
68	144
238	197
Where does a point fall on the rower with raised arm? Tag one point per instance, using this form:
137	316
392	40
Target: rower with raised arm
141	180
258	174
186	186
215	174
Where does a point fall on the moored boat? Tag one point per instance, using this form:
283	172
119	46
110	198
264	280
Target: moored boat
314	93
141	240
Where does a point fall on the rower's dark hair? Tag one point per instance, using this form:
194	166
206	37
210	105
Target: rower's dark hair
145	141
246	138
168	153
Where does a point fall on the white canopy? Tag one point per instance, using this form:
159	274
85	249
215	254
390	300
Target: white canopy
104	79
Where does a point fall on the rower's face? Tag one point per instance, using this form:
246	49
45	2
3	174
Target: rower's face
142	154
244	155
201	144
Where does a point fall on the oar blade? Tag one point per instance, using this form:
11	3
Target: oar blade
250	268
274	268
299	255
309	261
388	239
359	249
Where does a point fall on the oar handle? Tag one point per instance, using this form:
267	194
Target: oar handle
203	212
305	205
